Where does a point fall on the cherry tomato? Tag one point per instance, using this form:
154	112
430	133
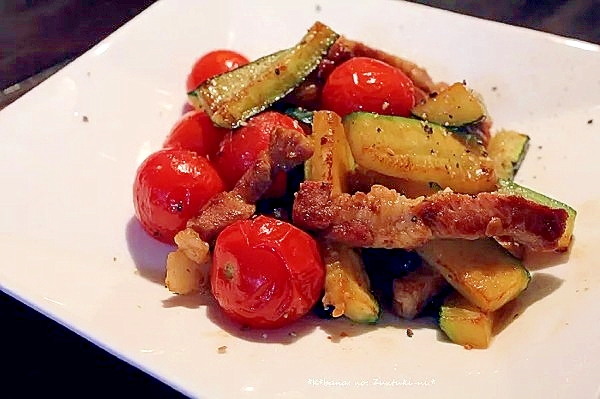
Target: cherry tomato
265	272
240	148
212	64
370	85
195	131
170	187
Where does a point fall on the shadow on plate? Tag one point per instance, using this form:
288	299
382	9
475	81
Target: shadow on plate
284	335
341	328
540	286
148	254
540	260
336	329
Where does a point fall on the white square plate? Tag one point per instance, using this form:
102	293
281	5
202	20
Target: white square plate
72	250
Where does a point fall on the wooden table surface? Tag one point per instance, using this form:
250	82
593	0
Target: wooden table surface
38	37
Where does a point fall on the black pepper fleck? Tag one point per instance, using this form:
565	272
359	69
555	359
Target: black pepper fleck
85	118
433	94
277	71
590	121
317	8
378	130
414	219
428	129
494	88
409	333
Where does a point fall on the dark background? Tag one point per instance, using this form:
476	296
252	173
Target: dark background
37	37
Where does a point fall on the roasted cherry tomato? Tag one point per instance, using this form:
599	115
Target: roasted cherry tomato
213	64
265	272
240	148
195	131
170	187
366	84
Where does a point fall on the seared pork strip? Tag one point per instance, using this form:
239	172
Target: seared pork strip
413	291
534	225
383	218
221	210
287	149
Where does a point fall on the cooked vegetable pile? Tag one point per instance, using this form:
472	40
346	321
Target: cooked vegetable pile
337	178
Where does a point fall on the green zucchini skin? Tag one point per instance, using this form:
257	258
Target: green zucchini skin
347	285
300	114
233	78
417	150
455	106
464	323
481	270
508	149
231	98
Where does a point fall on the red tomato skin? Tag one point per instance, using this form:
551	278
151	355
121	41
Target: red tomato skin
170	187
240	148
266	273
194	131
212	64
370	85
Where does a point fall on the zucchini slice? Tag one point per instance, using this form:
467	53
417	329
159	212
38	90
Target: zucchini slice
464	323
420	151
347	286
481	270
234	96
331	160
512	188
508	148
454	106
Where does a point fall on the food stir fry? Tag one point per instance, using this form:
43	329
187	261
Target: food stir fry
337	178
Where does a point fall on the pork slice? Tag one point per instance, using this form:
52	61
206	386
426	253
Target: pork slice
221	210
413	291
383	218
536	226
287	149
